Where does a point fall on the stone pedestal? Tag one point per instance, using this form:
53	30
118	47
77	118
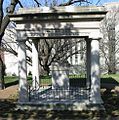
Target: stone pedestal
60	78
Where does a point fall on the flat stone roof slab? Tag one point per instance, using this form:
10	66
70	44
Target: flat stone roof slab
61	9
66	13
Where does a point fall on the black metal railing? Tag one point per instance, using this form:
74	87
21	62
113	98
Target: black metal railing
77	91
49	94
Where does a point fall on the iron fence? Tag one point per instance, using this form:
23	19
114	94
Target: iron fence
76	92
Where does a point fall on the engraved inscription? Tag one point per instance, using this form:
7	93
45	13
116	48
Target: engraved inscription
53	33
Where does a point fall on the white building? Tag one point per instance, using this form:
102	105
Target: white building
10	45
10	54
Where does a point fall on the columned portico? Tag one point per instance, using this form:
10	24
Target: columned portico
60	23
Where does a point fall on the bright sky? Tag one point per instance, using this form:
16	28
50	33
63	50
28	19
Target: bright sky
103	1
30	3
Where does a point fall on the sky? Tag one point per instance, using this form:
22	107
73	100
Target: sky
30	3
103	1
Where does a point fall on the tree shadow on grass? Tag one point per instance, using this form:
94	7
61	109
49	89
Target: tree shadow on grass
8	108
108	80
77	82
11	83
8	111
110	96
111	102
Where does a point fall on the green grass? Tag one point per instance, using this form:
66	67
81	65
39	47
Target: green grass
46	80
113	78
12	80
77	76
9	79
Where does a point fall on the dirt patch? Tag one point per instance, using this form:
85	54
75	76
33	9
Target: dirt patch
9	92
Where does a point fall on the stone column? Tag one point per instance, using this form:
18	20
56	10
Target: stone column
22	67
88	63
95	73
35	64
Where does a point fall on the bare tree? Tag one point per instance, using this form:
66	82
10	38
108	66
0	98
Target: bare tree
9	43
53	50
50	50
4	21
110	41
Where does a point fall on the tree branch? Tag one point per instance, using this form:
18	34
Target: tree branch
20	4
5	21
1	12
70	2
38	4
98	2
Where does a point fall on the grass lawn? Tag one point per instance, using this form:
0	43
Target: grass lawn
10	80
13	80
113	79
110	97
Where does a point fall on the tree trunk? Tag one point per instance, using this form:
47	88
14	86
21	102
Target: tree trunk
112	61
111	70
2	67
46	70
2	73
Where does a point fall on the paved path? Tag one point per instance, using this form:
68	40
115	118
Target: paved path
8	92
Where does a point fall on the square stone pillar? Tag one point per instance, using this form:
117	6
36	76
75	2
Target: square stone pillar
22	68
95	73
35	65
88	63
